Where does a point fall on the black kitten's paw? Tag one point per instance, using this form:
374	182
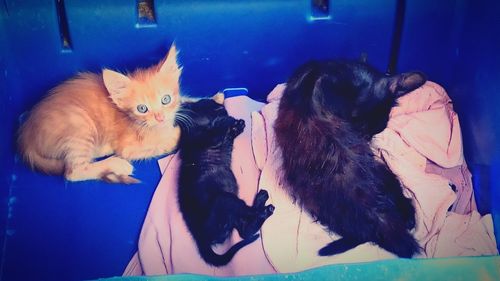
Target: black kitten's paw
253	223
267	211
260	199
237	128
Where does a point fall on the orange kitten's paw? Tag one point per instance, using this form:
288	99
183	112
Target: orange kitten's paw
119	166
118	170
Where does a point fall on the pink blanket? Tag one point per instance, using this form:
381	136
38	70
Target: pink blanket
290	239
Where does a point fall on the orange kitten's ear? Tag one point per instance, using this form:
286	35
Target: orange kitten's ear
169	65
117	84
219	98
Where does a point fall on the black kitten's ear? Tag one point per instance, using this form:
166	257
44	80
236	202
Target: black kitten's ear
219	98
404	83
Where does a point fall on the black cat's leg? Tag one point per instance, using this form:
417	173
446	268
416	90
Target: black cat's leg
237	214
263	211
260	199
227	212
244	216
259	204
233	213
252	222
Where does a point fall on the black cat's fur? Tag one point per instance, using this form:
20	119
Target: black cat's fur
207	187
327	115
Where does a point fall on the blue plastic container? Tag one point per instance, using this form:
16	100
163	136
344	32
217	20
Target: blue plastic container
51	229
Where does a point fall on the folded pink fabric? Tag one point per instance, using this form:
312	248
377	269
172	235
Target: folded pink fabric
425	120
422	145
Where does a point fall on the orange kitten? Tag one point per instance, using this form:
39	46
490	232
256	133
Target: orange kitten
91	115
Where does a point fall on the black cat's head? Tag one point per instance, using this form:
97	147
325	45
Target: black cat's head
354	91
201	122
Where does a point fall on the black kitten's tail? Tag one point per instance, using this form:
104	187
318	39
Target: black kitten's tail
338	246
215	259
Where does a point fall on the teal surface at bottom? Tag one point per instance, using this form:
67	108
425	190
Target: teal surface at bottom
456	269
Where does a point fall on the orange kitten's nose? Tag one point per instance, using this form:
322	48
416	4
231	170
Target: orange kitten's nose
159	117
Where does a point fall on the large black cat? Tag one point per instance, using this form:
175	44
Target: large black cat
207	187
328	113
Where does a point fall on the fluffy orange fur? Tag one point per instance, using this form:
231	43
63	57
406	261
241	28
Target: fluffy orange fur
94	115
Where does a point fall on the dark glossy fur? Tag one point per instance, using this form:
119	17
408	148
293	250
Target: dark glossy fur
327	115
207	187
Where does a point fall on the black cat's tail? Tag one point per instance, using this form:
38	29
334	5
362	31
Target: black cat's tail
338	246
215	259
404	246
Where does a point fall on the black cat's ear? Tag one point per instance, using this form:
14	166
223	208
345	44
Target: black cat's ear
318	93
404	83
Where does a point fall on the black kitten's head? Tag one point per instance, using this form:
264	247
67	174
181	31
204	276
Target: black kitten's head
201	122
354	91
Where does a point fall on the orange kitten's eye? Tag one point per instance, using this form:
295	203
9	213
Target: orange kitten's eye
142	108
166	99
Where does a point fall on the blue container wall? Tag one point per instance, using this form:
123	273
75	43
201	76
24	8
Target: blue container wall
456	43
63	231
476	88
5	136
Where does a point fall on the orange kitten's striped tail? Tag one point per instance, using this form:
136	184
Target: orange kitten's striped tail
34	159
50	166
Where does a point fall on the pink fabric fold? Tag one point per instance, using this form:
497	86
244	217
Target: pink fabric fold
422	145
426	121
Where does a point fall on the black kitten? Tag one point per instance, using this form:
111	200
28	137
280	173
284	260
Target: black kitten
207	187
327	114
